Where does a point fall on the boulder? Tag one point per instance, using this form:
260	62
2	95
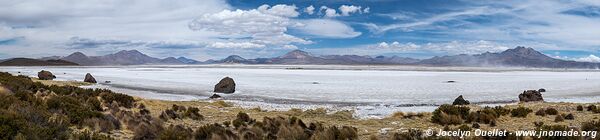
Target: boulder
45	75
89	78
542	90
214	96
226	85
460	101
530	96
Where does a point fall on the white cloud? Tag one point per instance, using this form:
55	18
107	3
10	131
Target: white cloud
279	10
527	20
265	25
590	58
367	10
329	12
309	10
47	26
290	47
243	45
346	10
452	47
327	28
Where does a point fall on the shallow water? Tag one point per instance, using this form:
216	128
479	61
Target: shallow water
372	92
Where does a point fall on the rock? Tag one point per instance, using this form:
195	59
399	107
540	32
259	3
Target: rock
460	101
315	83
214	96
450	81
226	85
45	75
108	82
89	78
542	90
530	96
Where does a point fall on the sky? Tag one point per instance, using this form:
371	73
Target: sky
214	29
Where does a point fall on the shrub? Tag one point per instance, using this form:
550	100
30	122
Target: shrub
192	113
591	108
569	116
590	126
521	112
559	118
579	108
486	115
145	131
551	111
94	104
76	111
213	131
411	134
475	125
123	100
297	133
447	114
541	112
87	135
177	132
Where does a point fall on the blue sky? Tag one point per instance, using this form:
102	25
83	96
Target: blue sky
213	29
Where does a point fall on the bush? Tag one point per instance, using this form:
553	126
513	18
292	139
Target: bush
591	108
76	110
123	100
521	112
411	134
87	135
450	115
590	126
579	108
551	111
177	132
487	114
213	131
569	117
559	118
541	112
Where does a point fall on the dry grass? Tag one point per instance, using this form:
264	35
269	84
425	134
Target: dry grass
61	83
220	111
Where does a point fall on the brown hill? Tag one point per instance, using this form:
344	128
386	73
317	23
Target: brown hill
36	62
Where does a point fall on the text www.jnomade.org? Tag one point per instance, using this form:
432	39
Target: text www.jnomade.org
518	133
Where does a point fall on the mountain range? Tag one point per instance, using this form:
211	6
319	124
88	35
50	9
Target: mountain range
125	57
516	57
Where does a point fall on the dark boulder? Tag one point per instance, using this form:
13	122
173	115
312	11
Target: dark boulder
45	75
89	78
226	85
530	96
460	101
542	90
214	96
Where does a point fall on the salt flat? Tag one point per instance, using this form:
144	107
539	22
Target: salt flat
371	90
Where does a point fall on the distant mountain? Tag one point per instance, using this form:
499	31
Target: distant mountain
297	57
124	57
35	62
187	60
517	57
234	59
